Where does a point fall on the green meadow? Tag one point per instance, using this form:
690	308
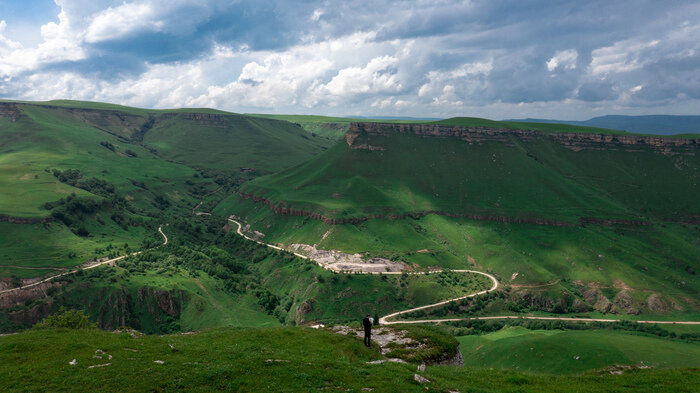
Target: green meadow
573	351
269	359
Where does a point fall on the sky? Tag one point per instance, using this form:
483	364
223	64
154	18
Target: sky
568	60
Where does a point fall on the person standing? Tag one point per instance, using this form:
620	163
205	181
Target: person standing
367	323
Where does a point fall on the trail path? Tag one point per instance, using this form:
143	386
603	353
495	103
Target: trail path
83	267
385	319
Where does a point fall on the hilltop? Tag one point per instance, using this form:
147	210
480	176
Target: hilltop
272	359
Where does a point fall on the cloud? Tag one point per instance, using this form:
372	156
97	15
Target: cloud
564	59
116	23
430	58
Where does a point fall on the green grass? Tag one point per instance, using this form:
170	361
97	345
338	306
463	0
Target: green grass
649	260
332	128
572	352
208	146
231	142
268	359
53	245
535	180
338	298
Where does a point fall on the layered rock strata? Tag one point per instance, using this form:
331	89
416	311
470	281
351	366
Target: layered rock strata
571	140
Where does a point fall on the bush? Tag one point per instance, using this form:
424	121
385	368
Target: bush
64	318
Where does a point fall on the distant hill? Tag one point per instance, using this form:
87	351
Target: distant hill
651	124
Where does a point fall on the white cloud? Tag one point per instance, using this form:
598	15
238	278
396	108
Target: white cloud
121	21
318	13
565	59
60	44
451	87
438	58
375	77
623	56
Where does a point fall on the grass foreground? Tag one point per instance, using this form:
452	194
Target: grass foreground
267	359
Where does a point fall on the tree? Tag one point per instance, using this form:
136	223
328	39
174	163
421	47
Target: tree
65	318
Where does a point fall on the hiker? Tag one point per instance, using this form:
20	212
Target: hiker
367	323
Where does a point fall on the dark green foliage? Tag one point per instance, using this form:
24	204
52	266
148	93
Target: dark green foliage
266	299
65	318
76	179
107	145
437	344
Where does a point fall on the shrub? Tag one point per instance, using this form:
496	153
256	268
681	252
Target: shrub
64	318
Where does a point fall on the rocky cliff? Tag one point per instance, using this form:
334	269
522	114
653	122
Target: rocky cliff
10	110
288	211
572	140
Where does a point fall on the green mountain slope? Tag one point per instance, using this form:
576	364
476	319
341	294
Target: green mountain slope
528	178
575	222
79	176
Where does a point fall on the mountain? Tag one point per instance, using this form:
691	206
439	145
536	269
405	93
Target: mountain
554	210
547	172
144	218
650	124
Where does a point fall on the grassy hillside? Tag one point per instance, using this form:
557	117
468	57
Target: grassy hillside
231	142
331	128
271	359
539	179
125	167
572	352
515	188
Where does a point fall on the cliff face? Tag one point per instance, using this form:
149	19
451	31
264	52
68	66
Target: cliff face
24	220
10	110
571	140
207	119
287	211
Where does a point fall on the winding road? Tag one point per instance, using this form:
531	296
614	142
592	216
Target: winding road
385	319
83	267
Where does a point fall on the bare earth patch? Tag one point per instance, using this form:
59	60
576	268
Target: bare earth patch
344	262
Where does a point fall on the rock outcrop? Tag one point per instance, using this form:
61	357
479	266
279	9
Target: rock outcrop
343	262
10	110
288	211
207	119
571	140
24	220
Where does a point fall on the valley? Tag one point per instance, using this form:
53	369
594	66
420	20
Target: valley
177	221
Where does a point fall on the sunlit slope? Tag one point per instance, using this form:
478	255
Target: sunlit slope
46	138
536	179
232	142
123	145
152	162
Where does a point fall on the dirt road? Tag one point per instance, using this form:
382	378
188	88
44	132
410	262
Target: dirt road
83	267
385	319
